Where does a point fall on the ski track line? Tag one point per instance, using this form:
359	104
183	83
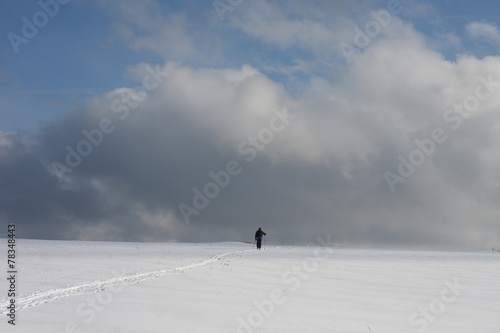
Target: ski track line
43	297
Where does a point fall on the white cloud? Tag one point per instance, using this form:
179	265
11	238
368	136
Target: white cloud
318	32
484	30
151	26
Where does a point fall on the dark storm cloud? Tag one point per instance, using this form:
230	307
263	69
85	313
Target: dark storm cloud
32	197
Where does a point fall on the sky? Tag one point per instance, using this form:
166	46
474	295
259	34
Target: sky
375	122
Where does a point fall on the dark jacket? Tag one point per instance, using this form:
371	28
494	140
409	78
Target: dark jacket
259	233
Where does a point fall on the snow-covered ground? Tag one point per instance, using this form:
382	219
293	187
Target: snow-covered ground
231	287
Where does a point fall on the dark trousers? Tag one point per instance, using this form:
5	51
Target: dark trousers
259	242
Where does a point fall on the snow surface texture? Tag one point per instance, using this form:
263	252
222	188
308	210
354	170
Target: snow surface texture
231	287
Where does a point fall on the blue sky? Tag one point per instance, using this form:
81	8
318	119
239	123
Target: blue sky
226	80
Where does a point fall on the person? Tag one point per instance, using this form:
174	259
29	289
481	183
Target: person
258	237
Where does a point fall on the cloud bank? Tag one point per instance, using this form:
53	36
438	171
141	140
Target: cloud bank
120	167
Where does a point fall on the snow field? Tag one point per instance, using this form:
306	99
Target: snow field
230	287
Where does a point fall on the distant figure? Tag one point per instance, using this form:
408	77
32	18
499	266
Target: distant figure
258	237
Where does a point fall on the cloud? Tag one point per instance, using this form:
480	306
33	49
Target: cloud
317	29
150	26
486	31
325	167
321	173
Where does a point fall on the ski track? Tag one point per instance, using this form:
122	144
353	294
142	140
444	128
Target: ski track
43	297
